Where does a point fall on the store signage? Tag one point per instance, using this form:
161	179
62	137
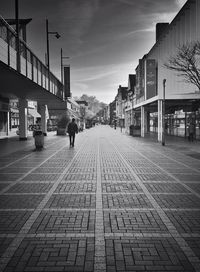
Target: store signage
140	79
151	78
67	81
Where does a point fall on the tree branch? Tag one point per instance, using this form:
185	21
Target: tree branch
187	63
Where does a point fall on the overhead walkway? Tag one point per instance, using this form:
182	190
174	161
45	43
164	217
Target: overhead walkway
23	75
32	79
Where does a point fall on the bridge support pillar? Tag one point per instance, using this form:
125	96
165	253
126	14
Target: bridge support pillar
43	112
22	119
143	121
160	118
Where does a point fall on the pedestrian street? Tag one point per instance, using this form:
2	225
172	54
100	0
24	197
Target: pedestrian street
110	203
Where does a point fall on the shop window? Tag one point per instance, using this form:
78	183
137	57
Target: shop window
3	123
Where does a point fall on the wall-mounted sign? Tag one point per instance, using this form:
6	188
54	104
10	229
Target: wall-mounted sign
151	78
140	79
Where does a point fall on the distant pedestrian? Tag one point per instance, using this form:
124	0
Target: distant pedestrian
191	131
72	130
115	124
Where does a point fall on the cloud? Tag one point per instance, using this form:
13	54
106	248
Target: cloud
150	29
180	3
77	17
96	76
79	87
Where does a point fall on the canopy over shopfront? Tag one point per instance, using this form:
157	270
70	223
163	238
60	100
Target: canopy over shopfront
34	113
73	114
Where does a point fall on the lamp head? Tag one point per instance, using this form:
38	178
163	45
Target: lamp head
57	35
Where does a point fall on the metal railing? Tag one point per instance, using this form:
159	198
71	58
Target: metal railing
30	65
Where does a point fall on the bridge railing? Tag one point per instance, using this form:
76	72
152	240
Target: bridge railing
30	65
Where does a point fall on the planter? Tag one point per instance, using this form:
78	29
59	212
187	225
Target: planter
135	131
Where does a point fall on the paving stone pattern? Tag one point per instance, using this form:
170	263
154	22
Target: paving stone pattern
111	203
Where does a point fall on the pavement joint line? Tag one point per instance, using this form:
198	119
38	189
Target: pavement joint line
9	252
119	181
172	229
190	235
24	194
182	209
128	209
187	166
170	174
182	183
29	172
123	193
16	210
160	193
138	235
8	235
151	209
35	181
100	254
77	181
56	235
5	166
142	193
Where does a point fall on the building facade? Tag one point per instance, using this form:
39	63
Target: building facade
129	112
112	113
162	100
120	105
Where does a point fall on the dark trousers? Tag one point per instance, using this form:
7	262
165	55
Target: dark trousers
191	137
72	139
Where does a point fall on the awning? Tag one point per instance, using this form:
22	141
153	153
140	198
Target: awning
73	114
33	113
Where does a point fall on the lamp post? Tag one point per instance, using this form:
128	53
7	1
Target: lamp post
163	113
17	39
47	34
61	59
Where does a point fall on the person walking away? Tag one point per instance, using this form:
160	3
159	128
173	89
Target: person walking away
115	123
72	130
191	130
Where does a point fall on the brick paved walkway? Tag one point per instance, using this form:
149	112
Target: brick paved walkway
112	203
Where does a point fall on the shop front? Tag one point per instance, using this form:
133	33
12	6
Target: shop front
4	117
178	117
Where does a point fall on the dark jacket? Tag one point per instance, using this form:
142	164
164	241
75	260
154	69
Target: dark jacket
72	128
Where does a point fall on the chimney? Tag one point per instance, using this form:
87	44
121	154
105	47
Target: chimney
160	29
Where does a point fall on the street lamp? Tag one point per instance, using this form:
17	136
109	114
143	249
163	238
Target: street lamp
47	34
163	113
62	57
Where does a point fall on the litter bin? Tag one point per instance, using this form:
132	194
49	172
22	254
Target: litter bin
39	139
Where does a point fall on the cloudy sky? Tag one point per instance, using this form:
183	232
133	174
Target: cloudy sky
103	38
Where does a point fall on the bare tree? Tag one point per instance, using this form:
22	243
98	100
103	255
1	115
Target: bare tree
187	63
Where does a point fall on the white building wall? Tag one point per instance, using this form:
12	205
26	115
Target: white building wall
185	28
